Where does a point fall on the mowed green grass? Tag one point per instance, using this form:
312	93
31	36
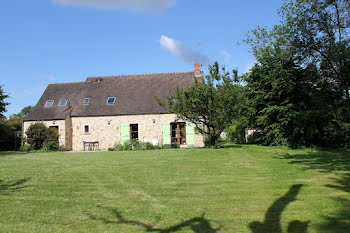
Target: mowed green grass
237	189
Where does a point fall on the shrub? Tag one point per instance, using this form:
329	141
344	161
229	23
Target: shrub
25	148
128	145
38	134
8	136
135	145
51	146
149	146
174	145
236	133
165	146
117	147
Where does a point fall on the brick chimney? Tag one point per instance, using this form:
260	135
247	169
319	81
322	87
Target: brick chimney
197	70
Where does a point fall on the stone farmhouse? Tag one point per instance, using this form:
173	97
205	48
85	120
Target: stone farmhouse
114	109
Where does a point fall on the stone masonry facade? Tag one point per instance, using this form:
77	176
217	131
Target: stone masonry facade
106	129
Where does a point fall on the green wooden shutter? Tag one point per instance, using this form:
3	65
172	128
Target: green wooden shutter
190	134
124	133
166	133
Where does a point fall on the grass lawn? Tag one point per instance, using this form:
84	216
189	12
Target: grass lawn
238	189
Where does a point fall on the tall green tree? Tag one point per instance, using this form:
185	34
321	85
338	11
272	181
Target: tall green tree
24	112
318	31
299	87
3	104
211	105
5	129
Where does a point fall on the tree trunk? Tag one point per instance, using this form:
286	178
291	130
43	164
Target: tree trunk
212	140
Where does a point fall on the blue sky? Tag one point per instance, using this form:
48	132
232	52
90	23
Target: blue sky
49	41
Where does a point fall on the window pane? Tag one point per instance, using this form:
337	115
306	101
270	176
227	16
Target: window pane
134	127
111	100
134	135
49	103
63	103
86	129
86	101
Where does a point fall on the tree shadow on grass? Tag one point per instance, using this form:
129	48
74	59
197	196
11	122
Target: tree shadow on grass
330	161
9	153
272	220
197	224
8	187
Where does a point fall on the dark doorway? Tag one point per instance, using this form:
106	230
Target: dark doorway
134	132
55	128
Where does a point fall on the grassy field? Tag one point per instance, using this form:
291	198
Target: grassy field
237	189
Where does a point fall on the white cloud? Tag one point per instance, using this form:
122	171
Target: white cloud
249	66
183	53
49	77
35	90
154	6
226	57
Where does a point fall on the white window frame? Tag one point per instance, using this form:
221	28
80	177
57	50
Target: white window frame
107	102
62	105
88	101
47	105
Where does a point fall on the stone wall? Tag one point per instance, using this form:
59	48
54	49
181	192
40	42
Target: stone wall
59	123
69	132
106	129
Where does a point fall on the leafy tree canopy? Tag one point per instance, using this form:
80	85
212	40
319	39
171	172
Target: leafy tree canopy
24	112
211	105
299	87
3	104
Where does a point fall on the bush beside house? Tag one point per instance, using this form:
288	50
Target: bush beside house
39	136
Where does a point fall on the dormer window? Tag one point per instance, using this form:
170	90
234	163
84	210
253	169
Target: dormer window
62	103
111	100
86	101
48	103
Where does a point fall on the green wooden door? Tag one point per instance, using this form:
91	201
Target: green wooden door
190	134
166	133
124	133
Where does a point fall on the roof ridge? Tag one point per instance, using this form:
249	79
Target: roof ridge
145	74
65	83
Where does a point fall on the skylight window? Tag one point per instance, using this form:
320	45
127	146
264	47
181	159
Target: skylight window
49	103
111	100
63	103
86	101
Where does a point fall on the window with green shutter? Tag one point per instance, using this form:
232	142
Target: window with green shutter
124	133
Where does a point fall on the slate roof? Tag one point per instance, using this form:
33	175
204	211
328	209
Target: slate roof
134	95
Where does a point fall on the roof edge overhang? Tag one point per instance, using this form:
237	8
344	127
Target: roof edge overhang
105	115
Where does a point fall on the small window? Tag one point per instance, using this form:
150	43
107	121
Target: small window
86	129
134	131
49	103
86	101
63	103
111	100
